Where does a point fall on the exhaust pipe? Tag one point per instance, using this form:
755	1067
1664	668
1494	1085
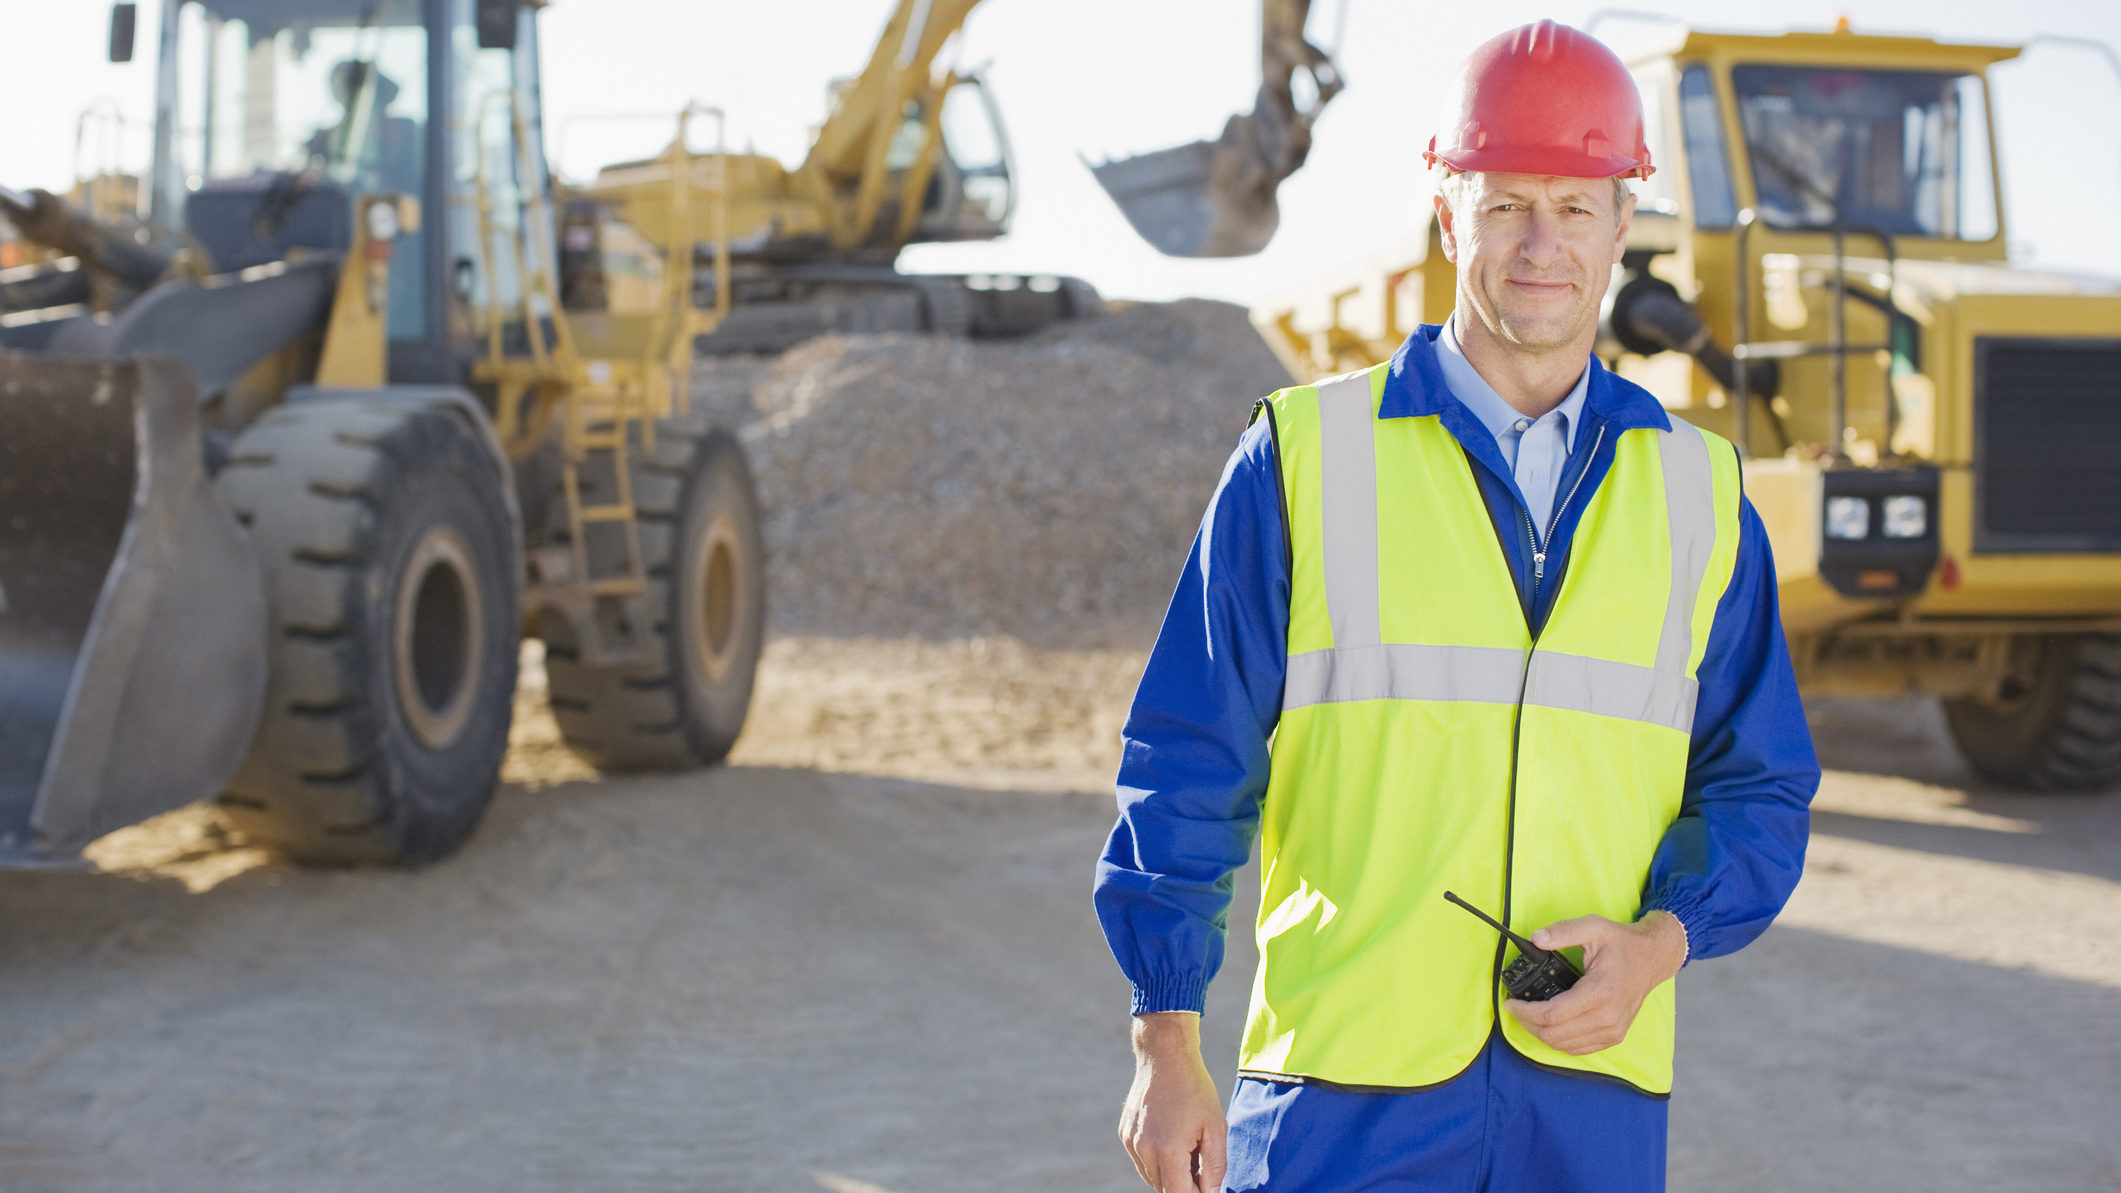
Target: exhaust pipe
1647	316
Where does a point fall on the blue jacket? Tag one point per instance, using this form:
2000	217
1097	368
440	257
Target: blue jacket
1195	746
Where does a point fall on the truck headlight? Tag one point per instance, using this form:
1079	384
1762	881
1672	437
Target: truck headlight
1848	518
1906	517
382	219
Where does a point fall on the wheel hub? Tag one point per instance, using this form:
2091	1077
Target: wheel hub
718	598
438	631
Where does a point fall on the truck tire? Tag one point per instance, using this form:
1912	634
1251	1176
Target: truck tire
703	617
392	587
2056	729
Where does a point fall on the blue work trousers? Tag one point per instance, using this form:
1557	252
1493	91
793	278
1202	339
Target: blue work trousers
1502	1126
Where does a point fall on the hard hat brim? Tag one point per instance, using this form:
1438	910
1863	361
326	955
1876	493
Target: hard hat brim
1542	160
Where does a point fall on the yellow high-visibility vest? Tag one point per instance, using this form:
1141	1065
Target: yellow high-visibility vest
1428	742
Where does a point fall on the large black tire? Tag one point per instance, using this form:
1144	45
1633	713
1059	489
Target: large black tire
703	617
2057	726
392	586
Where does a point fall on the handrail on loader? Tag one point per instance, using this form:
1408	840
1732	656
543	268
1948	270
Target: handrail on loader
606	389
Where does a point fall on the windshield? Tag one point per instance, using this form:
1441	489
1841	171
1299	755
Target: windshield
335	85
973	136
293	93
1900	150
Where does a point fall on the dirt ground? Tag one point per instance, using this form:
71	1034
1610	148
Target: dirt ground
861	959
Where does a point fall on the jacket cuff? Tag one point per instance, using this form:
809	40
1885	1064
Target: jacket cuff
1687	910
1177	992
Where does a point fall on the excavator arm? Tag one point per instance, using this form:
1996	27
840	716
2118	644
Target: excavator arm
1217	198
860	190
1207	199
852	149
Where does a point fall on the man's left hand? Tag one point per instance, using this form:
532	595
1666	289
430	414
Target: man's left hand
1622	963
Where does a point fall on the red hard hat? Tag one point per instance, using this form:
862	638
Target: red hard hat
1543	99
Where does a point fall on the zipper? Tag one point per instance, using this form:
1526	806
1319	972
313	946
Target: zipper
1524	681
1539	546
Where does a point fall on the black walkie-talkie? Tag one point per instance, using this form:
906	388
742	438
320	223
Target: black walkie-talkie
1538	974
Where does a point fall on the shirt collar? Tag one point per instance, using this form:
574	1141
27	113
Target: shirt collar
1496	414
1415	387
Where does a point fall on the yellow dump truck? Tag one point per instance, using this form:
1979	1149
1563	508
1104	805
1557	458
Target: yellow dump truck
1818	272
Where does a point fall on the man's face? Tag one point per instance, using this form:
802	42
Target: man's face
1534	253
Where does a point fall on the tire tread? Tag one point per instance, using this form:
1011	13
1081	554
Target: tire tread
2065	736
635	717
312	482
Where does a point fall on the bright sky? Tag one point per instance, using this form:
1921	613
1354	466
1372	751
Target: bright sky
1100	78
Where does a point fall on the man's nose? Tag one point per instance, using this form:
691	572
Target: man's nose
1541	245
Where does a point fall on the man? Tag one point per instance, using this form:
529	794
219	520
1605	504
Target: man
1482	619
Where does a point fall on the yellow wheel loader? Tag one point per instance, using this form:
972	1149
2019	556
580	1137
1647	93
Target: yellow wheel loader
1817	271
291	468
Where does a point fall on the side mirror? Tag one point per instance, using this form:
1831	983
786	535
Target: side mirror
496	21
124	19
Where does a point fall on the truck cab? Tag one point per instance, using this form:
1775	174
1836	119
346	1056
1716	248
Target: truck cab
1933	457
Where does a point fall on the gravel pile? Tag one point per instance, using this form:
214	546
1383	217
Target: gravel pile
1044	488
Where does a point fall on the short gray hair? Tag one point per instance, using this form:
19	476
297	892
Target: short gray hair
1452	188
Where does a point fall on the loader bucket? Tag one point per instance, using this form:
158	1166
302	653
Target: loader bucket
1213	198
132	610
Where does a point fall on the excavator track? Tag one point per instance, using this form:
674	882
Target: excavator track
778	307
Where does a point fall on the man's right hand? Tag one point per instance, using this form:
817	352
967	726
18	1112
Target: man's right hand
1172	1124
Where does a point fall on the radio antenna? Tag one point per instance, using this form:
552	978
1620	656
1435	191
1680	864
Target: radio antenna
1524	946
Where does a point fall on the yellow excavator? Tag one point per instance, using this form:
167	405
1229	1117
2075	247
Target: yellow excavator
911	155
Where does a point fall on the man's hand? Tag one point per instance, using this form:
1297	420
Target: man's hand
1172	1124
1622	963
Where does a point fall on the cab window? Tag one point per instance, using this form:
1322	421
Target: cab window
1902	151
1708	160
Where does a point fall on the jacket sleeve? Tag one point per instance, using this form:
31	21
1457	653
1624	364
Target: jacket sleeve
1193	764
1730	861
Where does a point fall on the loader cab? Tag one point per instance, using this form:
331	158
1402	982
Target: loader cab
274	115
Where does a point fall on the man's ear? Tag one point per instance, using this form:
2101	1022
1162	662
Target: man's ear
1620	234
1444	225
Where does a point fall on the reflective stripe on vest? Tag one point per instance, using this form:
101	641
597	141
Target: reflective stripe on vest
1428	742
1359	667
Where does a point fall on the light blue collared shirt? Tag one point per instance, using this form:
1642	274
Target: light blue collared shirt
1535	449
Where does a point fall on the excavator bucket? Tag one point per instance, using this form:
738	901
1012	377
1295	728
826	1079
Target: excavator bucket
1205	199
132	609
1216	198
